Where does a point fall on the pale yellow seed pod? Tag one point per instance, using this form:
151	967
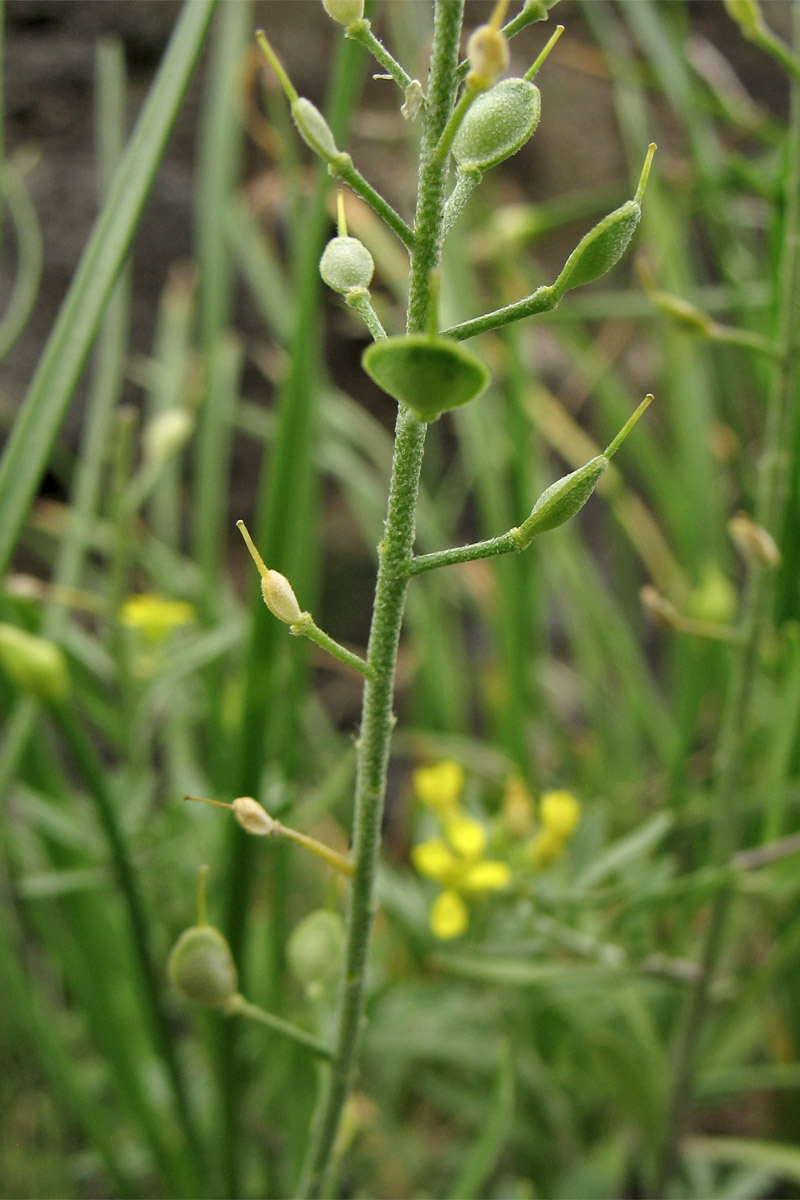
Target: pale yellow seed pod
660	610
344	11
487	51
253	817
279	597
756	546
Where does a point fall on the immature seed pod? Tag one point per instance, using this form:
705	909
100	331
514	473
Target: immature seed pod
346	265
659	609
253	817
497	125
166	434
33	664
279	597
562	500
314	950
487	51
344	11
755	544
202	968
313	128
428	373
746	14
603	246
567	496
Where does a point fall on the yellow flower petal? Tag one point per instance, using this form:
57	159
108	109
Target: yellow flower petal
439	787
485	877
466	835
433	859
449	917
544	848
559	813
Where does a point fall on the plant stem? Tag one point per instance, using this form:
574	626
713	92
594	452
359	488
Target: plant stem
307	627
361	31
503	544
542	300
341	167
756	604
240	1007
394	552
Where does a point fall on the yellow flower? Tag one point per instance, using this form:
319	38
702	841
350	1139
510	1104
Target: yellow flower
559	813
544	848
155	617
486	876
466	835
449	917
434	859
439	787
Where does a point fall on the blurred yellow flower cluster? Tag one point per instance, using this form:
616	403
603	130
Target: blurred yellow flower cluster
558	815
531	835
155	617
456	859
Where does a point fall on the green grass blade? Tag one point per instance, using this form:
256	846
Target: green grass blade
62	361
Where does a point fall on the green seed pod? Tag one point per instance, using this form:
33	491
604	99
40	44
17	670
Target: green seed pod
746	14
497	125
33	664
567	496
344	12
314	950
313	128
603	246
562	500
600	249
428	373
202	968
346	265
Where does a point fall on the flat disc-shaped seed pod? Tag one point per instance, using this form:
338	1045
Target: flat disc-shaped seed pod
497	125
429	374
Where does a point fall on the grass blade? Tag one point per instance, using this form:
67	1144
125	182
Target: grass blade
60	366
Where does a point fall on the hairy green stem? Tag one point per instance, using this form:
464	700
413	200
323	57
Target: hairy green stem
394	552
361	31
307	627
735	717
503	544
341	167
542	300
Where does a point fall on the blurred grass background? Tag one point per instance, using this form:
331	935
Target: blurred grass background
533	1058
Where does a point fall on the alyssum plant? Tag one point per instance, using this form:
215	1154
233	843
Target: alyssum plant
472	119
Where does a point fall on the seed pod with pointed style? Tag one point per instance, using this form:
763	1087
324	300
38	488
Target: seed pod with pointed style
603	246
202	968
252	817
567	496
346	265
313	128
